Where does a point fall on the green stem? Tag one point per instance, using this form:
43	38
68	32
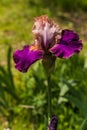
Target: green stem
49	98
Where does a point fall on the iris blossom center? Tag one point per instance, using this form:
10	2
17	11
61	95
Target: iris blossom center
49	42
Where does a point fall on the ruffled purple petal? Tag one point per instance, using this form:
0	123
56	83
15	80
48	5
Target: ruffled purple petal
26	57
53	123
69	44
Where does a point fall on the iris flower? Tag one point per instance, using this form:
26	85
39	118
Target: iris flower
49	41
53	123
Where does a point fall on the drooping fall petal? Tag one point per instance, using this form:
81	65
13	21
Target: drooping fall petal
26	57
69	44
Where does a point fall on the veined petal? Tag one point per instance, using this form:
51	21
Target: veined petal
69	44
48	30
26	57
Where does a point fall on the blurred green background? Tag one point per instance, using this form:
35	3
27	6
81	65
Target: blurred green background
23	97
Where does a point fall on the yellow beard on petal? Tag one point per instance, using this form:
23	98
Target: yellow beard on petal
33	47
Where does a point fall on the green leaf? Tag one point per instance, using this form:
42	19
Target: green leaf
9	68
3	104
3	71
4	80
72	90
2	95
84	124
75	100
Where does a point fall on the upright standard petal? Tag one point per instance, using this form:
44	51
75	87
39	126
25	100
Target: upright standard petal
53	123
24	58
69	44
47	30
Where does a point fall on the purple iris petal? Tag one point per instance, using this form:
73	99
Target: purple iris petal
53	123
24	58
68	35
69	44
